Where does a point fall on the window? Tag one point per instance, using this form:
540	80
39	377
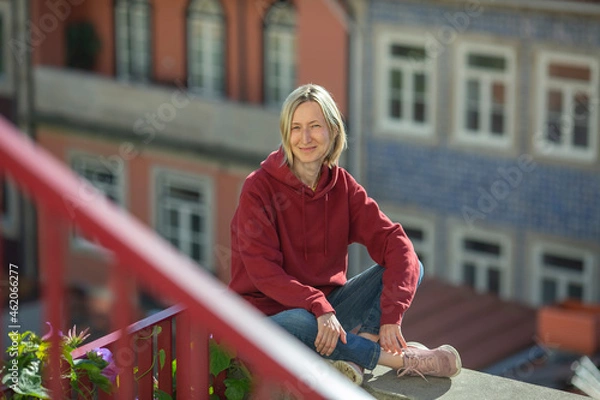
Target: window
9	49
206	50
567	107
132	33
2	47
106	179
405	86
279	53
485	94
9	212
421	232
563	272
184	214
482	260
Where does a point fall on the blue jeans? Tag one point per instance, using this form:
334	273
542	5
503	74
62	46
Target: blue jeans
357	303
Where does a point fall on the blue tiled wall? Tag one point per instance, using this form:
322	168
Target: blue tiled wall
554	200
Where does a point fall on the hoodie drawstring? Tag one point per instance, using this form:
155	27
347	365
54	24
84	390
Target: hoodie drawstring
326	221
304	226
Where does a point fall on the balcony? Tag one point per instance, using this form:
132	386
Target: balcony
154	113
203	306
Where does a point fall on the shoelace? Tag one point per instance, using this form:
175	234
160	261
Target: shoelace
425	364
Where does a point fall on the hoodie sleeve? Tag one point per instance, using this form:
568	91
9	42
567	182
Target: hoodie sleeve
259	250
388	246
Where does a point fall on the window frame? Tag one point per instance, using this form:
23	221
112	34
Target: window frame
563	278
482	262
384	124
207	20
485	137
127	53
288	33
7	77
566	151
427	226
77	241
162	176
9	221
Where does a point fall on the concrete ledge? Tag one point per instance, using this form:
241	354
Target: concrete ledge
382	383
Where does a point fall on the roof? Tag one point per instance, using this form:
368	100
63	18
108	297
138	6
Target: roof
482	327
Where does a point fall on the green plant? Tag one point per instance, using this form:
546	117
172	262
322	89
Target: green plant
29	354
229	375
230	379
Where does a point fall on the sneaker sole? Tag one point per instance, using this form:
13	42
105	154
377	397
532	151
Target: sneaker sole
458	360
349	371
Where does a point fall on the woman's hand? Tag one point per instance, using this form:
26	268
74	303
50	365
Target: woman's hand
330	330
391	339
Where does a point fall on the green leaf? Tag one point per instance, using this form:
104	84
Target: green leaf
161	395
236	388
162	356
30	382
220	359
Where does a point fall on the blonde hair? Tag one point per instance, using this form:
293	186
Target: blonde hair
333	119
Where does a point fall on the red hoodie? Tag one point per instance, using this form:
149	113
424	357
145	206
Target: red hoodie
290	244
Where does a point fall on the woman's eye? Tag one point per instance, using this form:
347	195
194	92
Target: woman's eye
315	126
295	128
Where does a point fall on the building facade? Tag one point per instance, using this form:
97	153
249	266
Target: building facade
166	106
480	135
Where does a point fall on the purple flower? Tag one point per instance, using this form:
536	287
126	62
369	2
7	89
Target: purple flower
110	371
105	353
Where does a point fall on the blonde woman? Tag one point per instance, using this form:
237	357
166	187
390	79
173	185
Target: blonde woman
296	216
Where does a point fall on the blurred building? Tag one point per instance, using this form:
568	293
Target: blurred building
165	106
480	134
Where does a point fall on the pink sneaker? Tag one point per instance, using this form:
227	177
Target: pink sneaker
351	370
419	360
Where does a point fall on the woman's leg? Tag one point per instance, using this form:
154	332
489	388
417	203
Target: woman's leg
358	301
303	325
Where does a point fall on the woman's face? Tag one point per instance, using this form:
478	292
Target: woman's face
309	139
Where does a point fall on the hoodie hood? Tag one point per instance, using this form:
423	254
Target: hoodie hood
275	166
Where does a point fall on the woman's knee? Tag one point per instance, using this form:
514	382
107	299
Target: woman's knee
295	321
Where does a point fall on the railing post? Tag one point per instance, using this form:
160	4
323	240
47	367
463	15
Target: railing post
4	274
143	345
52	257
182	352
192	358
164	342
124	354
200	360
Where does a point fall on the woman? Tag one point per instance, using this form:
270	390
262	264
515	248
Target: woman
296	216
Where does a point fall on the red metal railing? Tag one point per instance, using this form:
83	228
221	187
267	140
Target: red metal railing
137	252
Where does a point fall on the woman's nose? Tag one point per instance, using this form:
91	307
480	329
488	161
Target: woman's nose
306	136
